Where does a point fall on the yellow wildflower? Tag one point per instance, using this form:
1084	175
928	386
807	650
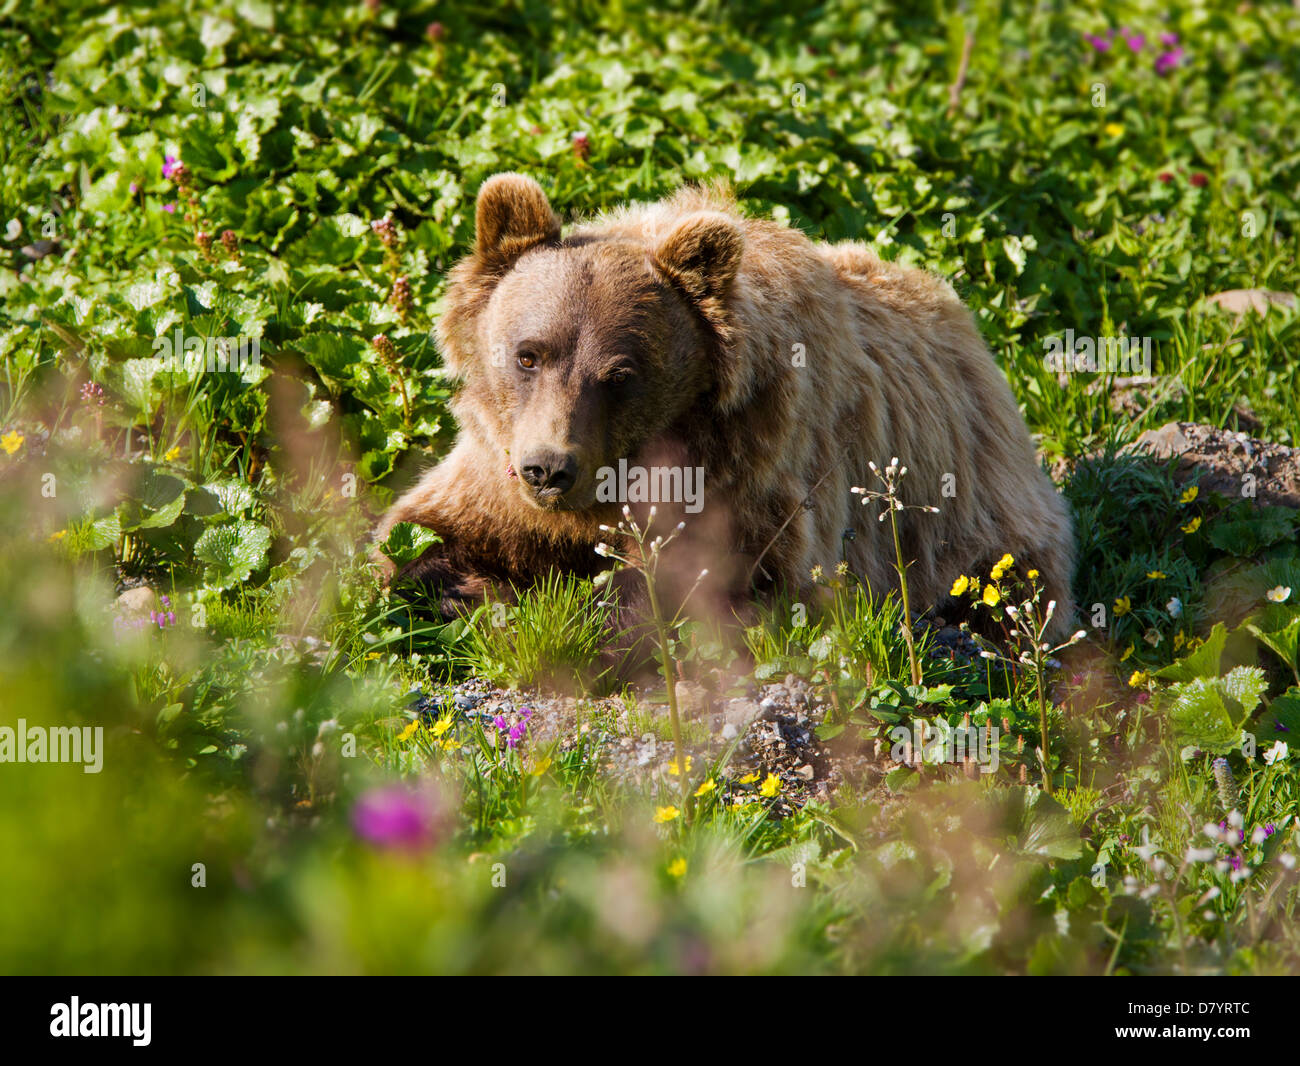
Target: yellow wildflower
677	868
542	766
440	726
1112	129
673	768
12	441
1180	638
1122	606
959	586
1157	575
1032	575
1137	679
770	786
663	815
172	454
1001	567
1127	652
1193	525
451	744
59	535
749	779
1189	494
992	597
407	733
705	788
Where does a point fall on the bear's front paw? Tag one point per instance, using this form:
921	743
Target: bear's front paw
438	577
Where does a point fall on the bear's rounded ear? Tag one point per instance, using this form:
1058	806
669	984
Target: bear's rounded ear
513	215
702	255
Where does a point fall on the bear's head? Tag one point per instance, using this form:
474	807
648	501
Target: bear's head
577	352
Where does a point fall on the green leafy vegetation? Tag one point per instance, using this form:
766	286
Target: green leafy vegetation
227	232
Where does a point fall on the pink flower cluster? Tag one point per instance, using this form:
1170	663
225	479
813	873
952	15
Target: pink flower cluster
1169	55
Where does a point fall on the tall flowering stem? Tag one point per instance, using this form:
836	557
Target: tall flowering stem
399	293
646	559
1027	634
392	360
890	478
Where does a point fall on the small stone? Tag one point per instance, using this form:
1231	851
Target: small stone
692	698
137	600
741	712
1166	441
805	771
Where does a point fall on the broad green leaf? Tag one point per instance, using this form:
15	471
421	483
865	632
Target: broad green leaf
1280	720
232	551
1037	824
407	542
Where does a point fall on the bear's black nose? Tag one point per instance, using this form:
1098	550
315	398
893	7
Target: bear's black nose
546	468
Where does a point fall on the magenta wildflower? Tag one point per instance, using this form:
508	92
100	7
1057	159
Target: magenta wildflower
165	618
1241	833
170	164
395	817
1101	44
1270	829
1135	41
169	208
1167	61
1168	40
514	733
1235	860
134	188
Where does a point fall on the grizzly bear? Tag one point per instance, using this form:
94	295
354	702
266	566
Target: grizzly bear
762	371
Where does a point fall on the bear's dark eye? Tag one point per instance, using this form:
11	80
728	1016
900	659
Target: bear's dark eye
528	360
619	376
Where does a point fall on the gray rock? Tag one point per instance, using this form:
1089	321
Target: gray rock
741	712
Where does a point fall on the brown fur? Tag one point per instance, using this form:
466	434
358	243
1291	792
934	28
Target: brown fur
705	308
